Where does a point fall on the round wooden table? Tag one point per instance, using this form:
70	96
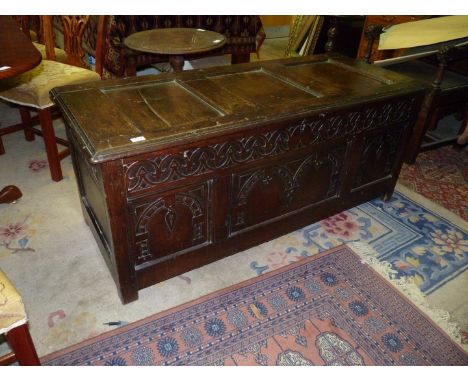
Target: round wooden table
175	42
17	55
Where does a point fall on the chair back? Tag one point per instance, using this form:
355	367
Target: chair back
73	30
30	25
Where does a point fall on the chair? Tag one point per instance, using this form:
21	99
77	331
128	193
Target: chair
30	90
13	324
447	86
31	27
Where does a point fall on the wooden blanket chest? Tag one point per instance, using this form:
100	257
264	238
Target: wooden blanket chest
178	170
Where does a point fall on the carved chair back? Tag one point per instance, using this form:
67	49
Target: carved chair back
73	31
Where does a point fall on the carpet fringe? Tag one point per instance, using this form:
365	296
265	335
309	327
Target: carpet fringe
441	317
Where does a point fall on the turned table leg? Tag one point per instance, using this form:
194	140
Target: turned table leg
177	63
10	194
332	35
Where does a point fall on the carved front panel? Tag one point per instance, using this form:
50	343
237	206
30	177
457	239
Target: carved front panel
172	222
148	173
264	193
378	157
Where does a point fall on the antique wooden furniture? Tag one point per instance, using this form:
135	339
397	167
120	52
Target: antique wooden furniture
17	55
181	169
175	43
32	28
340	34
14	325
448	87
10	194
371	53
30	91
30	25
240	31
17	52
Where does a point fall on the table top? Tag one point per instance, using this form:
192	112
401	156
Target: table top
175	41
17	51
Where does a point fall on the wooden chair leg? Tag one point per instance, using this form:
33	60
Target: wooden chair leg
2	148
27	123
415	142
22	345
419	129
45	117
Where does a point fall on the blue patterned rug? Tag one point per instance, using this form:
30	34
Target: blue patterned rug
420	244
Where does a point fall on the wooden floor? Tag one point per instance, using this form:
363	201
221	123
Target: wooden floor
271	49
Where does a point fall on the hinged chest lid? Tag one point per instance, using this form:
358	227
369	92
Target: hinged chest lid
117	118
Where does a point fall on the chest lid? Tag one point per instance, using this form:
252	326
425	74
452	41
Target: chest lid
117	118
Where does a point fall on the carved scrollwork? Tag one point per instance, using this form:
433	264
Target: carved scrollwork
144	174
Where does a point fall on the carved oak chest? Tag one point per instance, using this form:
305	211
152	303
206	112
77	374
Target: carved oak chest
178	170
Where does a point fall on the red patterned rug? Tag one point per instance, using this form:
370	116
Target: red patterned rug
442	176
328	309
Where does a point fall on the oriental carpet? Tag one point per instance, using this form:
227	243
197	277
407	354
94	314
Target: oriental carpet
442	176
329	309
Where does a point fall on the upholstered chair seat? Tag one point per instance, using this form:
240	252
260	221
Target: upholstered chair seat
60	54
13	324
12	312
33	36
32	87
30	90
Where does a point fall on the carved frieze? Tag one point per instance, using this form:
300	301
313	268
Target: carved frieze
146	173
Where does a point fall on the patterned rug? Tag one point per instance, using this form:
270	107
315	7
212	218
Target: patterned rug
442	176
330	309
418	242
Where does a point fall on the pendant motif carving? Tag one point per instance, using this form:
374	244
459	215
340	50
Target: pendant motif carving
195	221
